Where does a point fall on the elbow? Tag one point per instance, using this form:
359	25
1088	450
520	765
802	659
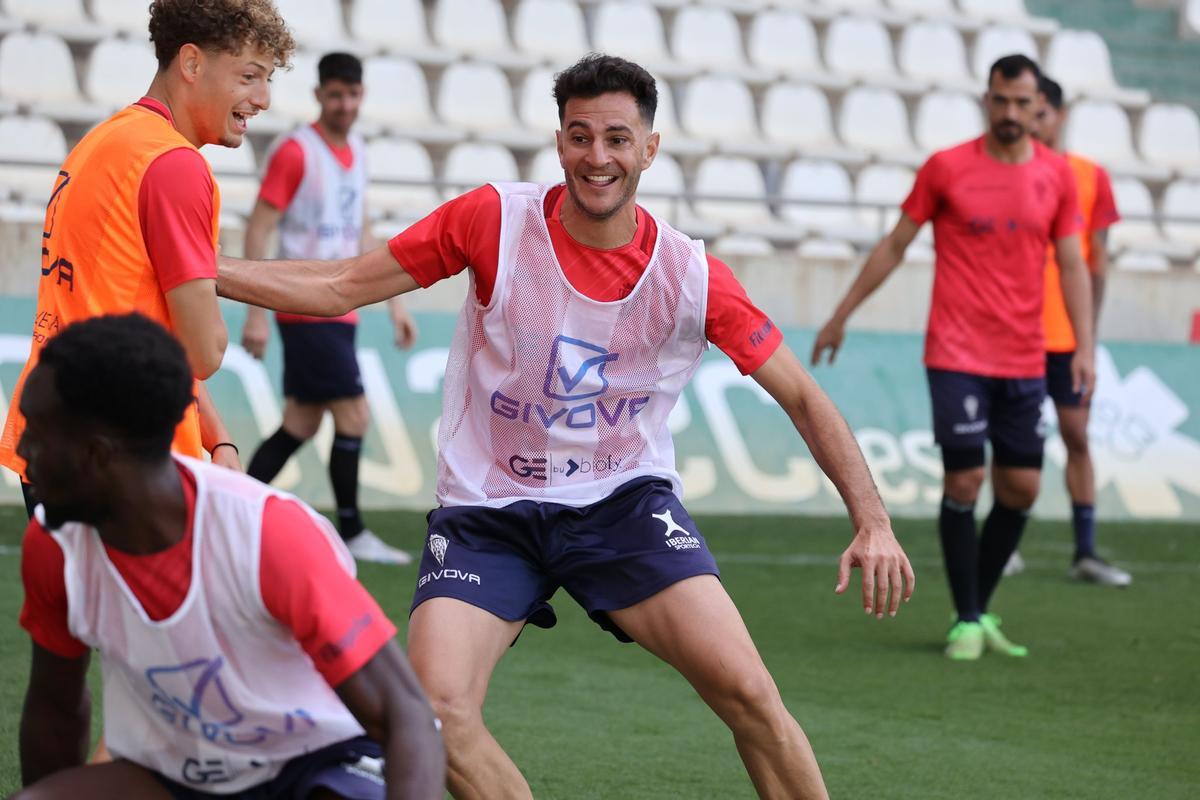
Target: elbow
208	360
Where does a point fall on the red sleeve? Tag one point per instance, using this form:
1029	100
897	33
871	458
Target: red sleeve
284	173
176	207
44	614
1067	220
734	324
923	201
1104	212
462	232
305	588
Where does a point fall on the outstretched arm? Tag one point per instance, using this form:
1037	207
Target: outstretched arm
387	700
884	565
56	719
886	256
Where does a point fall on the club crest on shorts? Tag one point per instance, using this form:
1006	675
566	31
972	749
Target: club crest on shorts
971	406
437	546
684	541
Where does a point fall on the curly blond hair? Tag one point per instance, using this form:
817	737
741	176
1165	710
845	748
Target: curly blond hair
222	25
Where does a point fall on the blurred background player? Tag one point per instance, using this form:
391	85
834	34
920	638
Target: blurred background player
996	202
1099	212
241	658
314	192
132	223
555	463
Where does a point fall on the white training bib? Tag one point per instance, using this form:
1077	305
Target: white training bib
550	395
219	695
325	218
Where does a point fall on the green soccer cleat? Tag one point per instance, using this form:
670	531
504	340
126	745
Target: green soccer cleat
997	641
965	641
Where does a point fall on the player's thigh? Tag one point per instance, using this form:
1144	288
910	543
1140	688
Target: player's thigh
454	647
351	415
301	420
116	780
1018	430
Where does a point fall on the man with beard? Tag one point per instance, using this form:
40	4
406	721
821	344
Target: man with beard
586	318
314	191
996	202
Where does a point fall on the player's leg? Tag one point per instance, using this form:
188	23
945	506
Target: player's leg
694	626
116	780
300	423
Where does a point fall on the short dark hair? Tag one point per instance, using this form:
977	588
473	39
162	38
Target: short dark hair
1013	66
126	373
596	74
1053	92
339	67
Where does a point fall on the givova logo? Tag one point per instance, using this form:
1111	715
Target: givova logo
576	369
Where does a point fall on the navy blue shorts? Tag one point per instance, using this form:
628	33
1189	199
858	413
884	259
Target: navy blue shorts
352	769
1058	380
319	362
970	410
608	556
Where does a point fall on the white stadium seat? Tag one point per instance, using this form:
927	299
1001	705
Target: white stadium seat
119	71
875	120
472	164
660	188
536	107
1080	60
397	99
732	177
995	42
1169	135
476	98
666	123
390	159
931	9
1012	12
292	100
886	184
853	5
934	52
316	24
720	110
945	119
545	168
785	42
633	30
397	26
131	16
1181	211
550	29
234	169
1099	129
65	18
860	48
475	28
51	88
1142	261
230	160
799	116
38	148
1137	228
709	38
823	189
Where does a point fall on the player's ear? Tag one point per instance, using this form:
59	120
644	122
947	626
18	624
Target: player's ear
652	143
190	62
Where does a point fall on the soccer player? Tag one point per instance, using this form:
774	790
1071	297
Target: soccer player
240	656
1099	211
996	202
314	191
132	223
585	319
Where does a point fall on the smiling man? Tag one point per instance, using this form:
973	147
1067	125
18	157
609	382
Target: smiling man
132	223
586	318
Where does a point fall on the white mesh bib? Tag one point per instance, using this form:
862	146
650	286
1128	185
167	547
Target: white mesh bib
325	218
550	395
218	695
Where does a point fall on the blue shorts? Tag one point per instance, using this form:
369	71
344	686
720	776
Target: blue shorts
339	767
609	555
1058	380
319	361
971	410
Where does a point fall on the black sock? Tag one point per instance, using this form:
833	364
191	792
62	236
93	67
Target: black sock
272	455
1001	535
343	473
1083	519
960	551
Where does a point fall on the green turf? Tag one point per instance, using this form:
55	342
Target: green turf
1106	706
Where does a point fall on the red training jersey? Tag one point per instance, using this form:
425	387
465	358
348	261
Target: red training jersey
465	232
991	224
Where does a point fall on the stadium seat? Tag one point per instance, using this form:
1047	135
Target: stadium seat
666	123
292	100
934	52
130	16
1099	129
472	164
729	179
708	38
317	24
476	98
930	9
997	41
1012	12
880	189
476	29
234	169
544	167
1181	211
119	72
1137	229
1189	19
799	117
401	160
536	107
65	18
552	30
825	196
860	48
1169	135
1079	60
397	99
742	245
634	30
1142	261
720	110
785	42
945	119
31	151
875	120
661	189
396	26
51	88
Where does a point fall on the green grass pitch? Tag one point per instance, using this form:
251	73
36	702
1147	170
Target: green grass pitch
1107	705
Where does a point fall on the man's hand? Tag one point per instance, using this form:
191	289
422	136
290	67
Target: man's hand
1083	373
226	456
403	323
829	338
884	567
256	331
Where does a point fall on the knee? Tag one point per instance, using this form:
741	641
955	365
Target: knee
751	700
1019	494
302	428
962	486
352	418
1076	441
457	712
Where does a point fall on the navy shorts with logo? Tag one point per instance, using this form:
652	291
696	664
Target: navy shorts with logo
608	555
970	410
319	361
351	769
1058	380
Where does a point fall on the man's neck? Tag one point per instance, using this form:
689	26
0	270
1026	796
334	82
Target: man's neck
149	509
601	234
335	139
1018	152
161	91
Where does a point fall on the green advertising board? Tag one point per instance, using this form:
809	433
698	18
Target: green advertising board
735	449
